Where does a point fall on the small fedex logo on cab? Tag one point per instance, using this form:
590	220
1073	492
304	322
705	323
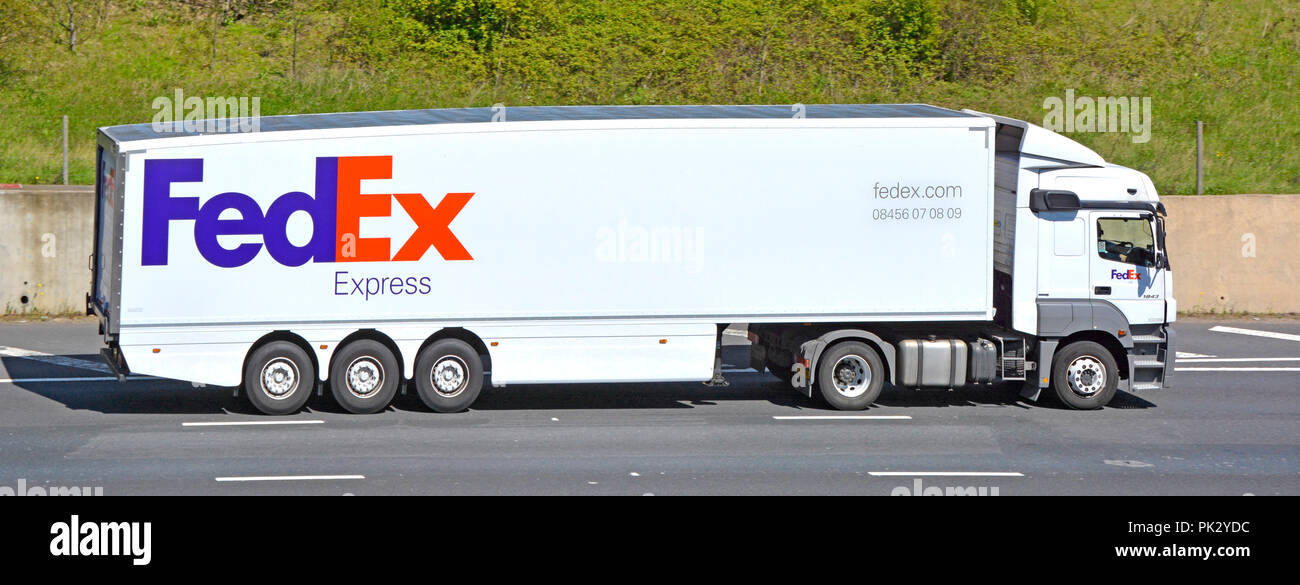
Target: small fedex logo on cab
1129	274
336	211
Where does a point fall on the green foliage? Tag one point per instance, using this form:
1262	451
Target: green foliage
482	23
1231	64
1030	9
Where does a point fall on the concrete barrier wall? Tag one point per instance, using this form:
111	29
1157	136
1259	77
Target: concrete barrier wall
1235	253
45	246
1229	252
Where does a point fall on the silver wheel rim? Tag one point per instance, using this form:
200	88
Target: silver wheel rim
365	376
851	376
279	378
449	376
1086	376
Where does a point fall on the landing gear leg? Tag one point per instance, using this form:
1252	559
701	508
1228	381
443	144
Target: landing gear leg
718	380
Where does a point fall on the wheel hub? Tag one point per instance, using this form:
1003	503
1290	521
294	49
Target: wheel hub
448	376
1086	376
279	378
851	376
365	376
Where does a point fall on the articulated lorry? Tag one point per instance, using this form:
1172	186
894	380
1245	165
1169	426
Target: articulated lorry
448	249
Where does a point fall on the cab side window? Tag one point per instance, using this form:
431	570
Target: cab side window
1126	239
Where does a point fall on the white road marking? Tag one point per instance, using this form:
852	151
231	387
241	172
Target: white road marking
1188	354
289	477
82	379
946	473
252	423
1255	332
847	417
57	360
1237	369
1182	360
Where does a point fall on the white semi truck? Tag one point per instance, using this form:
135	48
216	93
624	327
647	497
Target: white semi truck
448	249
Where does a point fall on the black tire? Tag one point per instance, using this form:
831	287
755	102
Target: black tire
279	378
862	390
1091	388
456	360
782	373
364	376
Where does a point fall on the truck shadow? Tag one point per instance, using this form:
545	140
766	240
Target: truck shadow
1001	395
92	392
79	388
752	387
657	396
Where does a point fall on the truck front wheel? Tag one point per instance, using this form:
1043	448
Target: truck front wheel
448	375
279	378
850	375
1084	375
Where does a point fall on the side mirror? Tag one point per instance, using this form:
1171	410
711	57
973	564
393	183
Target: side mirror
1162	254
1053	200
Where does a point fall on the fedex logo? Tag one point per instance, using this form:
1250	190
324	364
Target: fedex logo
1129	274
335	211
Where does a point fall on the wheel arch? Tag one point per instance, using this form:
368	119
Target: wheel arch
373	335
282	335
465	335
1103	338
813	350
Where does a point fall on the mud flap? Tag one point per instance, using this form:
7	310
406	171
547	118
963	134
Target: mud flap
802	380
1030	391
1033	386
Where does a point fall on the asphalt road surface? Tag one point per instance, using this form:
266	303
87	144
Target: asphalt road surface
1231	426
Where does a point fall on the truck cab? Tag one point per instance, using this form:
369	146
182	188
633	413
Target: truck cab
1090	267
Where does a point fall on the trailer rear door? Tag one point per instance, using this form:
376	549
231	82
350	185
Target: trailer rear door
106	262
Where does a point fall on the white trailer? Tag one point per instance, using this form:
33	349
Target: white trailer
451	248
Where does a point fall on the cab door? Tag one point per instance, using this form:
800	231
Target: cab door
1124	265
1064	255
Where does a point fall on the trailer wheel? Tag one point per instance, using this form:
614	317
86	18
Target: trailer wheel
448	375
364	376
850	375
279	378
1084	375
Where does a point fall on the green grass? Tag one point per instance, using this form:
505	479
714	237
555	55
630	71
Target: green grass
1232	64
